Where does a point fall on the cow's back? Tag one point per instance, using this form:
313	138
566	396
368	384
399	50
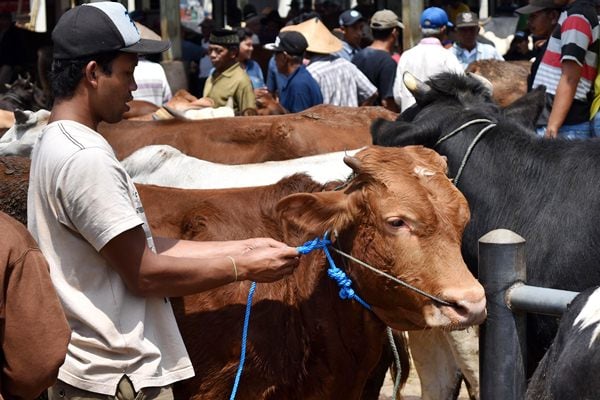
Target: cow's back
240	140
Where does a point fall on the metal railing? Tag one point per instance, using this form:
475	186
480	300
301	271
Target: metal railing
502	342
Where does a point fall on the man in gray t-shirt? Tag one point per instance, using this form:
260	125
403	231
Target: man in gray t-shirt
112	276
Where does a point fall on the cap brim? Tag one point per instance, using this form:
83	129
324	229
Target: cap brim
400	25
272	47
469	25
145	46
449	24
529	9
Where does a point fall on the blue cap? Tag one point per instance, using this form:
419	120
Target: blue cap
434	18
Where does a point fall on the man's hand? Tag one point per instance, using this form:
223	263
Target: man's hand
269	261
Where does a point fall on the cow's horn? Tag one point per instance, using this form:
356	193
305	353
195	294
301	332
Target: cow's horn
414	85
21	116
484	81
353	163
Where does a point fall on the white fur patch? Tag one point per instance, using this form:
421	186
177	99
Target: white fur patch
423	171
590	315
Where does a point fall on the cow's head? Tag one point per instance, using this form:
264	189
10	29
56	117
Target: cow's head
449	97
402	215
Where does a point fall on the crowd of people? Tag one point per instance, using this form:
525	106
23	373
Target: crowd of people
85	213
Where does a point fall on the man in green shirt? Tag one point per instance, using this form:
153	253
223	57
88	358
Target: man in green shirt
228	79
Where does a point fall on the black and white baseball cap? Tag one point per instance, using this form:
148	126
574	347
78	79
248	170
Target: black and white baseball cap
293	43
99	28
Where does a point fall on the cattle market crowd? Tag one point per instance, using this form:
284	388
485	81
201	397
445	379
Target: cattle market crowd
138	219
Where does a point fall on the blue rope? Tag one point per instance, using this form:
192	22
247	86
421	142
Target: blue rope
342	280
339	276
238	375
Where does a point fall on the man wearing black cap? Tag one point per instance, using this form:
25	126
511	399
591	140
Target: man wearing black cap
112	276
228	80
300	90
352	25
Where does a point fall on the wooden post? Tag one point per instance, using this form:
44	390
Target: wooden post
411	14
170	28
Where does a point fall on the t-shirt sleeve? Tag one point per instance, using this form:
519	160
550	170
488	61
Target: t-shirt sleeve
93	196
387	79
247	98
576	36
365	88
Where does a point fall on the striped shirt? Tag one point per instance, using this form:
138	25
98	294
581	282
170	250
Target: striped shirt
341	82
574	38
152	84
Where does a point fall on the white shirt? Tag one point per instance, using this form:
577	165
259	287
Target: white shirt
424	60
152	83
80	198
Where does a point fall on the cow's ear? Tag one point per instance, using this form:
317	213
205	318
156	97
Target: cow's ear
316	213
528	108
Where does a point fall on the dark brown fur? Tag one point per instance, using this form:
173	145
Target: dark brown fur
14	181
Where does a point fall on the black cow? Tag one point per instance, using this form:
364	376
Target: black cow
569	370
544	190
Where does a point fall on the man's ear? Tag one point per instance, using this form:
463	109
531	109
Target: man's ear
91	73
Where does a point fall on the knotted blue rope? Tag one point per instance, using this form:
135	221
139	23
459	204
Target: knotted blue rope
339	276
238	374
346	292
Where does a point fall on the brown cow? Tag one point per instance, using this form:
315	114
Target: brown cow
400	213
240	140
14	174
508	78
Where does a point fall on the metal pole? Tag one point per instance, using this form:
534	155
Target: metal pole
538	300
502	339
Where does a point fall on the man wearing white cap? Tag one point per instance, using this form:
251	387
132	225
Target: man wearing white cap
112	276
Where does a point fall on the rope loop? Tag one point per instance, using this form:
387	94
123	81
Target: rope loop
343	281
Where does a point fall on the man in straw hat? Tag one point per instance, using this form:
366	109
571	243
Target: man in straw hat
112	276
428	57
228	79
341	82
300	91
467	49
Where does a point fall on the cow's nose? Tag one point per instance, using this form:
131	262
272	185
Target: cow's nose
468	304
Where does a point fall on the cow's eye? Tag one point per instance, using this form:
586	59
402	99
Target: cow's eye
397	223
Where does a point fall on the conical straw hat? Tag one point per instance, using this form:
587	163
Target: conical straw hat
319	38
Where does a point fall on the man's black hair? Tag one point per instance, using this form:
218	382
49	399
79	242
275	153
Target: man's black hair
65	75
381	34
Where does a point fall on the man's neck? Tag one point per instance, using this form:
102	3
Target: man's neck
291	68
224	68
73	109
385	45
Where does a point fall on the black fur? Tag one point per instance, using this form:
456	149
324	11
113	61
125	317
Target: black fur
569	370
547	191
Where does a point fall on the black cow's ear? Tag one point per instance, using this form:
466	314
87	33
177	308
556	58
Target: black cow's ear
528	108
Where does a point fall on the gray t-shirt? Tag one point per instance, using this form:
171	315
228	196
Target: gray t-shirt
80	198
